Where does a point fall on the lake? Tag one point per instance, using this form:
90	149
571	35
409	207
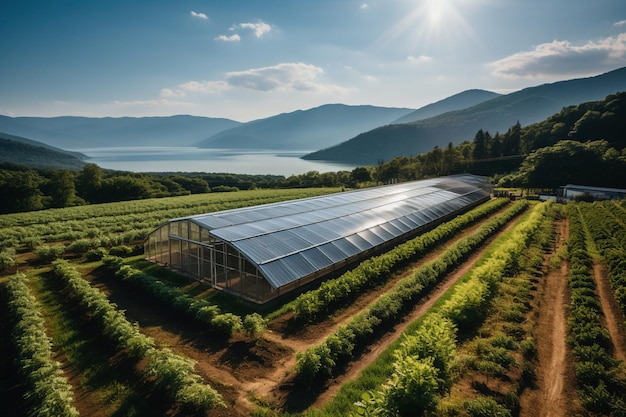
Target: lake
191	159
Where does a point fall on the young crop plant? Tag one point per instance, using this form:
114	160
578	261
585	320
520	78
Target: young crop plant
199	309
49	394
607	228
600	384
170	372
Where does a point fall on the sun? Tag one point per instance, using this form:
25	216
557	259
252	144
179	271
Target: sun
437	23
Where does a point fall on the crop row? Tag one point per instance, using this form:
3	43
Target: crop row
321	360
131	219
378	269
170	372
48	393
421	369
199	309
600	386
607	227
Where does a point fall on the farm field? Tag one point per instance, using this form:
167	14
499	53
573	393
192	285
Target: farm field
510	309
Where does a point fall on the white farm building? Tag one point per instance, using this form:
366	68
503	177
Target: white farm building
262	252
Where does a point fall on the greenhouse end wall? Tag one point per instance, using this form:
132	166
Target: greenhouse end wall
189	248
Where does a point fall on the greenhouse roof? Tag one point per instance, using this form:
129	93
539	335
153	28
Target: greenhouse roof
293	239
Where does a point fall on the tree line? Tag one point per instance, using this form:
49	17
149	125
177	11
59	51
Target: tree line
27	189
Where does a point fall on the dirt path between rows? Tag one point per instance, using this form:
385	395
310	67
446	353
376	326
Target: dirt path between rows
612	313
555	391
355	367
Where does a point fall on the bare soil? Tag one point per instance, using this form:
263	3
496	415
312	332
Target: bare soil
614	318
555	393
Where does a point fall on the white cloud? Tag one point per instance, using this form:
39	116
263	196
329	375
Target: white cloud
232	38
167	92
562	57
620	23
206	87
419	59
282	77
199	15
287	76
364	6
259	29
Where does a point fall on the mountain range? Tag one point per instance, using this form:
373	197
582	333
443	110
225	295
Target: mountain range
70	132
311	129
527	106
357	135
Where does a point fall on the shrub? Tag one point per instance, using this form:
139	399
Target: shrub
121	251
486	407
49	253
7	258
96	254
254	324
227	323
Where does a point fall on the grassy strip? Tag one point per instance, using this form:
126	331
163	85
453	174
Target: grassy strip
49	393
170	371
318	362
504	252
376	270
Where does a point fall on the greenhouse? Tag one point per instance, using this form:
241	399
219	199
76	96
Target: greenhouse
263	252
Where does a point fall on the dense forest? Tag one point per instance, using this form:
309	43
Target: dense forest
581	144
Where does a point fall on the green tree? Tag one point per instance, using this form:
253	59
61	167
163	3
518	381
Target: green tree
20	191
481	141
360	175
89	183
62	188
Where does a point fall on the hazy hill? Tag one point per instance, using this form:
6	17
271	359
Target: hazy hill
21	151
526	106
305	129
72	132
458	101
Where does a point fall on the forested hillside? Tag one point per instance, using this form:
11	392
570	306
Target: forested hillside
18	150
580	144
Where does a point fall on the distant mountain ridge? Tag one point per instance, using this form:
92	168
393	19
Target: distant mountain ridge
457	101
309	129
22	151
72	132
527	106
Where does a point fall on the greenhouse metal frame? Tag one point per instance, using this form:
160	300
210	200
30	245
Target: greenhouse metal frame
263	252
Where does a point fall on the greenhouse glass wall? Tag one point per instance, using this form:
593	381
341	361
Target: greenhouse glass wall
262	252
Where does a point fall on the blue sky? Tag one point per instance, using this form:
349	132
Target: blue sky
250	59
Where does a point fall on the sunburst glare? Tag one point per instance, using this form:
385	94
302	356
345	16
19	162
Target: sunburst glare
431	24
